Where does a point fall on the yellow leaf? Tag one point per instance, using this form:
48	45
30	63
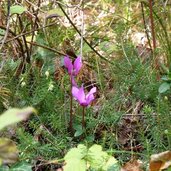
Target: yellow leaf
15	115
8	151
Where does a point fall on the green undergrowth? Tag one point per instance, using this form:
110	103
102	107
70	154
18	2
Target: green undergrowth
130	117
123	84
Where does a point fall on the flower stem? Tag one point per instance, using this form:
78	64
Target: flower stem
83	119
71	116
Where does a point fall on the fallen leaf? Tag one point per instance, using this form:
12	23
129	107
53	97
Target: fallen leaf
134	165
161	161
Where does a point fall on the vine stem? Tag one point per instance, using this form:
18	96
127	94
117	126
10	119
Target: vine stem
82	29
83	118
35	25
7	25
145	25
152	24
156	63
71	116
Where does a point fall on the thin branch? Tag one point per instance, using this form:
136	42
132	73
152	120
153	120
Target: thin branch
82	30
46	47
71	103
35	25
7	27
153	35
145	25
95	51
16	38
35	6
152	24
20	35
83	119
25	42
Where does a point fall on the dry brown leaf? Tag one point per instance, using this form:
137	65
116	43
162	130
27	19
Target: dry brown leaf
134	165
161	161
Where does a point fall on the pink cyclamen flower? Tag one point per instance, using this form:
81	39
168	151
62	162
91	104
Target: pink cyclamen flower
73	68
79	94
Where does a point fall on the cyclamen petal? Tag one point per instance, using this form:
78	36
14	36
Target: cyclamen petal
73	69
79	95
77	65
75	91
92	91
68	64
90	98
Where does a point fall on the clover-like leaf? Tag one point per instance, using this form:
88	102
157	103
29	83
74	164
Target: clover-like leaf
164	87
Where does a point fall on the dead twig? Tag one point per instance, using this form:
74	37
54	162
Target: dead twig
46	47
7	26
26	33
145	25
35	25
85	40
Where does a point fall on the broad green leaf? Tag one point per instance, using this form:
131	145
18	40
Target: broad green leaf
21	166
164	87
15	115
79	130
17	9
78	133
4	168
47	56
165	68
12	64
169	75
112	164
75	165
97	158
169	169
86	48
90	138
95	148
8	151
55	12
165	78
76	153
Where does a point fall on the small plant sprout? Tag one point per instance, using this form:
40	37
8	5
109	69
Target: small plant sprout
23	83
47	74
83	99
73	70
51	86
